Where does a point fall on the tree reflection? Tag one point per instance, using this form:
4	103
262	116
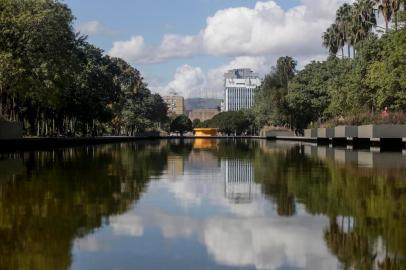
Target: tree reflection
374	200
65	194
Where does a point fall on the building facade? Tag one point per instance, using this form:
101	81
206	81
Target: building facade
239	89
203	114
176	104
240	185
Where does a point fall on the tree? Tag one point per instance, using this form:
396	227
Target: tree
181	124
270	103
55	82
385	8
386	74
344	25
196	123
331	39
232	123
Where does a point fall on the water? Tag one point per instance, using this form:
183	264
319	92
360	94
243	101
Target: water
203	204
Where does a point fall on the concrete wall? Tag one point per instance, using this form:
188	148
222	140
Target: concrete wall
382	131
346	131
311	132
10	130
325	132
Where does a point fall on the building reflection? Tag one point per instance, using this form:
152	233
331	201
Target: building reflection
240	186
205	143
384	161
175	166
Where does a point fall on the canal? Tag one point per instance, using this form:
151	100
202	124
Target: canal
203	204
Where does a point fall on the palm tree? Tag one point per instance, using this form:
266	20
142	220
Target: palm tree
331	39
364	13
395	4
364	19
385	8
344	23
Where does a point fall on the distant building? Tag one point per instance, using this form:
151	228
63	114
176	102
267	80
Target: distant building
239	89
203	114
176	104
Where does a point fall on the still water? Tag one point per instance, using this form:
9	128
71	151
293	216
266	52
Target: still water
203	204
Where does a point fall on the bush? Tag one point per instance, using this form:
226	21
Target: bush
394	118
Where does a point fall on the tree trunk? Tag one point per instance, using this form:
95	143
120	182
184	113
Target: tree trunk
386	26
396	20
342	52
349	50
353	52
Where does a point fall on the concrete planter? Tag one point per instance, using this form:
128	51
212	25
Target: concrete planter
346	131
382	131
310	132
10	130
325	132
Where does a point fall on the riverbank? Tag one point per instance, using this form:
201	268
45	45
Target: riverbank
32	143
7	145
47	143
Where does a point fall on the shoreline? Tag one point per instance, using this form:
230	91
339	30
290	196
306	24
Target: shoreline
46	143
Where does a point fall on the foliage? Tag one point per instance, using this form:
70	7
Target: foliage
55	82
340	88
181	124
270	104
233	123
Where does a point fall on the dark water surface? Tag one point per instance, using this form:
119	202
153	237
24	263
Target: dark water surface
203	204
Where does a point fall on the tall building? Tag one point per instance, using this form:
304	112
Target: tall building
239	89
176	104
240	186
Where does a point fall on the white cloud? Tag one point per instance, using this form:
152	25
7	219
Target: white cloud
253	37
135	50
188	82
127	225
263	30
129	50
92	28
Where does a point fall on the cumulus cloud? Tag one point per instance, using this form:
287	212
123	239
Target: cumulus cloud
242	31
188	81
252	37
135	50
93	28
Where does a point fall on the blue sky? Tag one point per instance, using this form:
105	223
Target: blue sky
186	45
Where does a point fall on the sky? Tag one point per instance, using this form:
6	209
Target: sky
187	45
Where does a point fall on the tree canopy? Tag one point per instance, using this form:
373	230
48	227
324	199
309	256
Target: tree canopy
367	81
55	82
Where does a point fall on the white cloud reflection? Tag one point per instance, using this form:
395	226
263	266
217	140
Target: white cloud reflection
236	235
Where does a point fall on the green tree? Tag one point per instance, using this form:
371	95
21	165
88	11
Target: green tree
270	98
196	123
386	76
232	123
181	124
385	8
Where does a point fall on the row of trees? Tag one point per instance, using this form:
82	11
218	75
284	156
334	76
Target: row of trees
55	82
354	23
231	123
338	88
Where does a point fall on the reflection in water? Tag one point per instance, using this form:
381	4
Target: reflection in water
239	180
203	205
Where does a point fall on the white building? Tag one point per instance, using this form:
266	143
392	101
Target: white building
239	89
240	186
